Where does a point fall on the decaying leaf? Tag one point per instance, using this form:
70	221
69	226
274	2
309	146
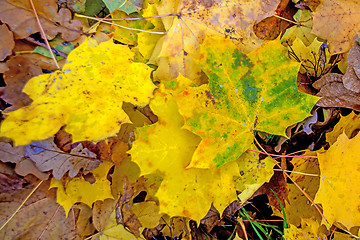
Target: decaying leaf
47	156
21	69
339	169
351	78
40	216
335	94
7	42
192	20
337	21
86	95
245	92
19	15
24	166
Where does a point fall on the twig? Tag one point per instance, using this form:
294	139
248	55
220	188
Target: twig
43	34
22	204
277	155
47	225
297	185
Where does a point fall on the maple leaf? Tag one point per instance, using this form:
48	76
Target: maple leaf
309	230
245	92
339	15
348	125
47	156
254	173
339	168
86	96
167	148
189	21
80	190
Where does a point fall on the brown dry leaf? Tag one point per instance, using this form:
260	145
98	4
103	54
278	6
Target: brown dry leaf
278	184
9	181
34	218
118	151
47	156
124	213
271	27
351	78
24	166
334	93
211	219
343	16
178	50
84	222
21	69
6	42
63	140
19	15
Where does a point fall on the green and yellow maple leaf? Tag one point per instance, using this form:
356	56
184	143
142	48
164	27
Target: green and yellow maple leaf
167	148
245	93
80	190
339	191
86	96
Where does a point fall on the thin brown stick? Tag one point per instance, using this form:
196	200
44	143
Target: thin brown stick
22	204
47	225
43	34
297	185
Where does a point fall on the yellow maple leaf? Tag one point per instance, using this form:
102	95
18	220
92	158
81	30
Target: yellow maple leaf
86	96
309	231
339	190
80	190
348	124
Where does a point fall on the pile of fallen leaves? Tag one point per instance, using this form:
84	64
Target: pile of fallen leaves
183	119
